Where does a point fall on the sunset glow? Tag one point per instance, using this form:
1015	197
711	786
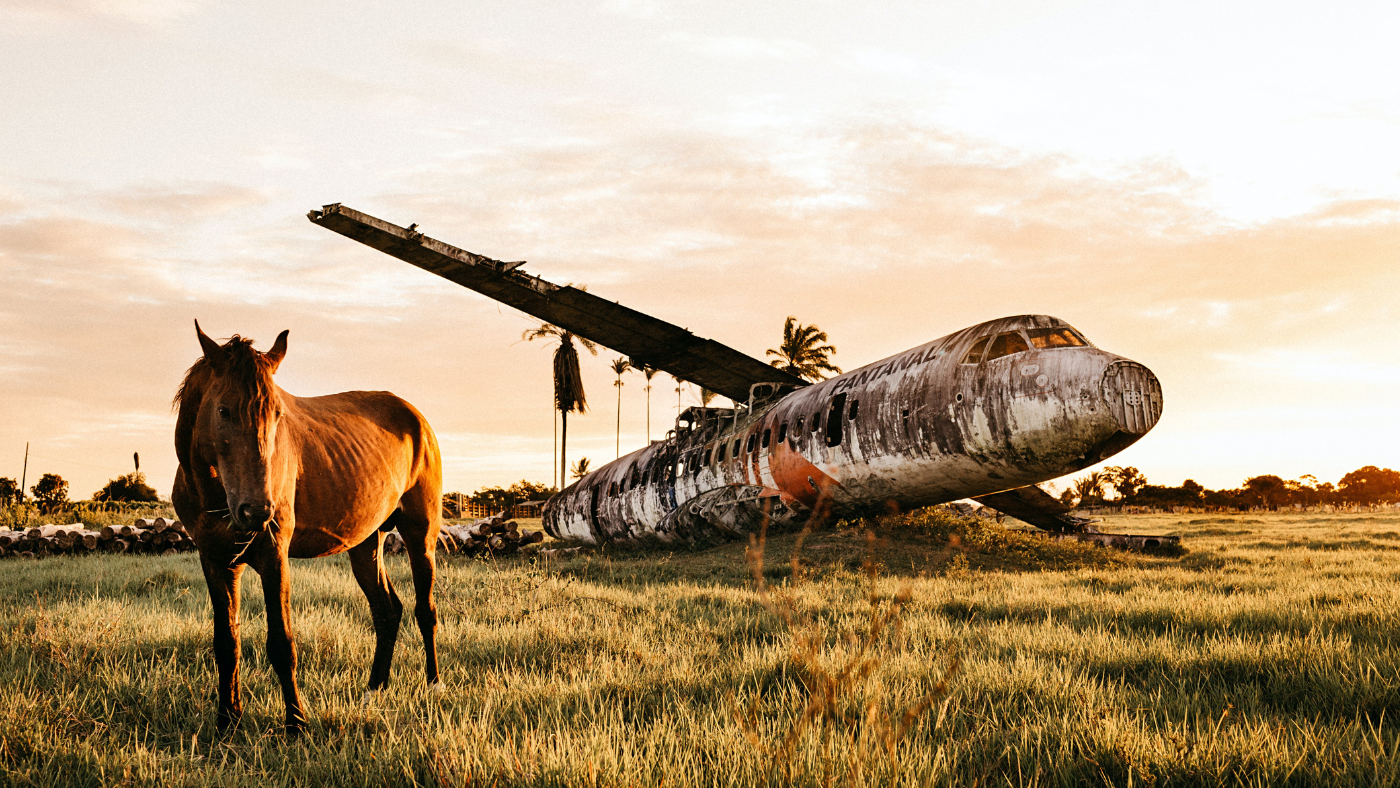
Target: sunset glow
1213	191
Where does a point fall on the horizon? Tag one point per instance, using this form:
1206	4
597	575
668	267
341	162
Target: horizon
1208	190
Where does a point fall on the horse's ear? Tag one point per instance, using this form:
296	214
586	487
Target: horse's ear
212	352
279	349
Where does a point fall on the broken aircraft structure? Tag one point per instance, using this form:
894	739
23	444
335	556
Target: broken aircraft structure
984	413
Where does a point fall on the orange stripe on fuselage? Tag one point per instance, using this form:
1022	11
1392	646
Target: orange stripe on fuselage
796	477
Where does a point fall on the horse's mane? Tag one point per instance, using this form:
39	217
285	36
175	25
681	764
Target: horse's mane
250	371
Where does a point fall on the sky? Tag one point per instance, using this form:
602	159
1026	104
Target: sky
1211	189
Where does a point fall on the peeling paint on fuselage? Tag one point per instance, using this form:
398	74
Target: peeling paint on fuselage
915	429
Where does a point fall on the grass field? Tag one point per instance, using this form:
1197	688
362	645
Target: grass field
1267	655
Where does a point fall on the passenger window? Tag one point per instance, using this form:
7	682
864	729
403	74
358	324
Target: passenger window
798	429
736	448
855	406
719	453
975	354
612	489
782	432
753	441
833	420
767	434
1007	344
816	422
707	456
1045	338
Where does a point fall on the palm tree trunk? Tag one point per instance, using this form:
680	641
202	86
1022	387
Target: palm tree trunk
563	445
554	419
648	413
619	419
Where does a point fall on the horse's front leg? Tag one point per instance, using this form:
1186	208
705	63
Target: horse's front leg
223	596
281	650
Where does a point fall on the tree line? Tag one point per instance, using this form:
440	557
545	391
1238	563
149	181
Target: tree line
1364	486
50	493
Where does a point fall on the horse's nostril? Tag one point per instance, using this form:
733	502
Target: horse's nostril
254	515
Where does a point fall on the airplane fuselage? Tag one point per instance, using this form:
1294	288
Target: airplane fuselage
994	407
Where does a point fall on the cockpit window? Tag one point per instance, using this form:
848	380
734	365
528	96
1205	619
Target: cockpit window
1043	338
1006	344
975	354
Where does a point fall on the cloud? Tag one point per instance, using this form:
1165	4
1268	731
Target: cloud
744	47
181	201
150	12
502	60
885	234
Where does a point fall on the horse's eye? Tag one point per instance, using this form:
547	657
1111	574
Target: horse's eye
225	413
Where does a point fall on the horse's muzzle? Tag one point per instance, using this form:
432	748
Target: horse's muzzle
253	516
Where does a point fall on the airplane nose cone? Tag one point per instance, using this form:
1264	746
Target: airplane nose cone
1133	395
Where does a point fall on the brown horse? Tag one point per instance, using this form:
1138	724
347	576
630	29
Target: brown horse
265	476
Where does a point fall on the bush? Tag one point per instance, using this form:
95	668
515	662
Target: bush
132	488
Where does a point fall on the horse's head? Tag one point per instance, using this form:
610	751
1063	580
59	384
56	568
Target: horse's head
235	429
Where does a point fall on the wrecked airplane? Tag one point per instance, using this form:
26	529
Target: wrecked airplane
984	413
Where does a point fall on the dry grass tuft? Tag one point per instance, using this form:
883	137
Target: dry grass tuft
841	700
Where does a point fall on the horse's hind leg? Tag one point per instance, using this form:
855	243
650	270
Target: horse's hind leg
420	519
384	606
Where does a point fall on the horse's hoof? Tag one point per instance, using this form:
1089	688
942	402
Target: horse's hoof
227	721
438	688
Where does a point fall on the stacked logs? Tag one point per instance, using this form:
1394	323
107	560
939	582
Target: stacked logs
158	535
490	536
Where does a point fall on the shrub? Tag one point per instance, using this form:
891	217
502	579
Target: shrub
131	487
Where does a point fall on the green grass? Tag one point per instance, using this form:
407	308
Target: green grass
1267	655
93	515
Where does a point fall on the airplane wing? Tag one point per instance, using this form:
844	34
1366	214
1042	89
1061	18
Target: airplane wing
643	338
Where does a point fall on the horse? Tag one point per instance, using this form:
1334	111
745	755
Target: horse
265	476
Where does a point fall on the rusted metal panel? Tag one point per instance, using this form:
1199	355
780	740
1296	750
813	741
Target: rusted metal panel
1125	541
663	345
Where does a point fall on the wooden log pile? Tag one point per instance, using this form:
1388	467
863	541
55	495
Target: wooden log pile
489	536
156	535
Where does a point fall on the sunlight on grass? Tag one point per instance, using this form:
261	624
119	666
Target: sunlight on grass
1265	655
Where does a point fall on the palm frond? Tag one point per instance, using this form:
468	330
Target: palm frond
802	352
568	380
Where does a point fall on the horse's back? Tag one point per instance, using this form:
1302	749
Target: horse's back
364	453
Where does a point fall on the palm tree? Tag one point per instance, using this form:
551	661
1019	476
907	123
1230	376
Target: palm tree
706	396
619	366
580	468
802	353
649	371
1089	490
568	381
